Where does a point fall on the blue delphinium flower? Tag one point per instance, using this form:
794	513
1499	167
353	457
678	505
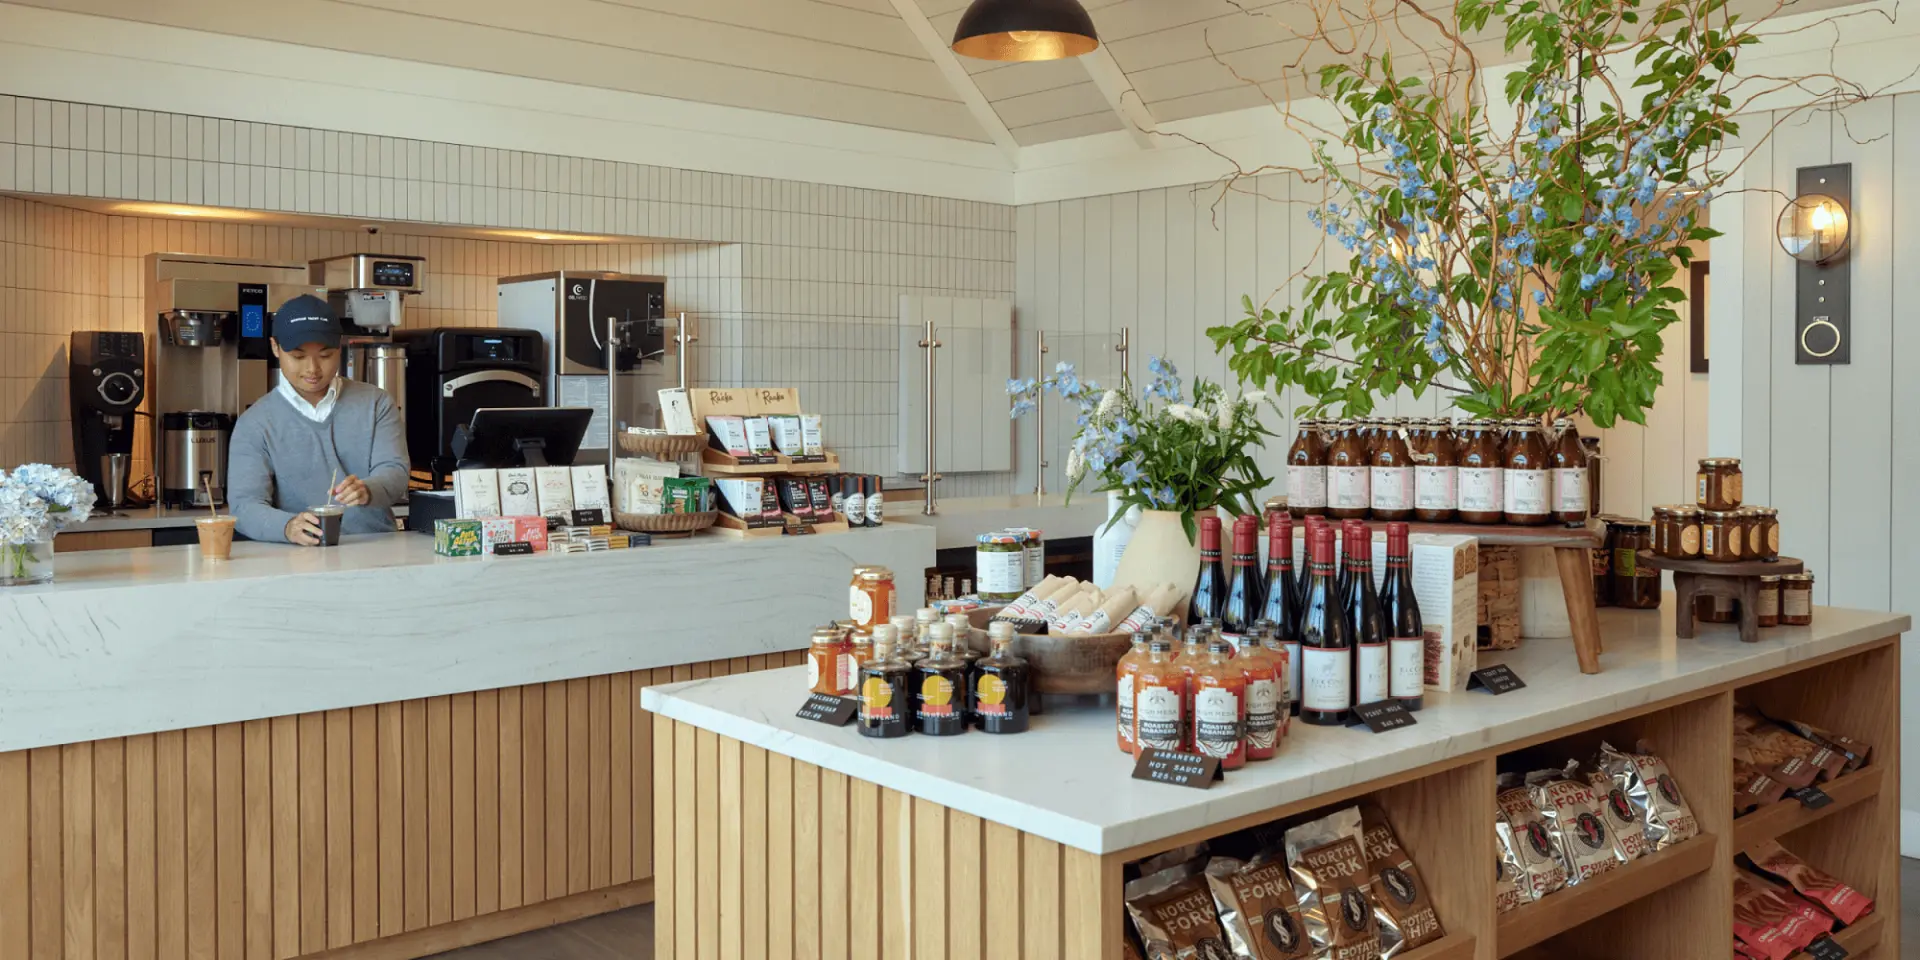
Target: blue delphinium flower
1540	297
1130	473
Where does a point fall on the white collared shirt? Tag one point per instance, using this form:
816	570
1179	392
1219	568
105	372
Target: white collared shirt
317	412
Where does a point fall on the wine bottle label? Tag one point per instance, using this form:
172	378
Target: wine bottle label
1375	673
1327	678
1482	489
1392	488
1123	701
1570	490
998	573
1306	486
1526	492
1157	712
1407	658
859	605
1350	488
1263	714
1216	722
1435	488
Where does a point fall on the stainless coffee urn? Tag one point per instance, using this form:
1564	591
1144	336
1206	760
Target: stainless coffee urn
368	293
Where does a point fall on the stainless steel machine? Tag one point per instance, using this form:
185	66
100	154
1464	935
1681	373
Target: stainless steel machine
575	312
106	380
368	293
208	357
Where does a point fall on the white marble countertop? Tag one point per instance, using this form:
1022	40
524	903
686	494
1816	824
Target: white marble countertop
135	641
960	519
154	518
1066	780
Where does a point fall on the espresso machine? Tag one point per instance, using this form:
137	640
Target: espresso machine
575	312
368	293
208	326
106	380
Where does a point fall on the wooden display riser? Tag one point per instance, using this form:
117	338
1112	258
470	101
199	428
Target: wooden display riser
779	858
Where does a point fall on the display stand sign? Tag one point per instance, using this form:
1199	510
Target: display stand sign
1811	797
591	517
513	548
828	709
1497	679
1380	716
1826	948
1175	767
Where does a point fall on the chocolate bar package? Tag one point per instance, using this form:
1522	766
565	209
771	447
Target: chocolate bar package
1406	917
1329	864
1526	849
1664	815
1855	751
1173	913
1793	760
1845	903
1258	913
1575	822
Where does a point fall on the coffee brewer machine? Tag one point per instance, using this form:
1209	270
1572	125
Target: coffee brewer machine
574	312
106	380
208	323
368	292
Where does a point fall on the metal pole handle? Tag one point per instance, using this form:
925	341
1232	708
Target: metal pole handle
614	426
1125	349
683	340
928	479
1040	415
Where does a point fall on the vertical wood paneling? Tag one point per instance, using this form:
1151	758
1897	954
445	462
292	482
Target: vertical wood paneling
45	805
313	832
599	786
685	813
558	761
706	848
1004	892
729	863
462	763
413	813
439	810
533	779
365	757
806	861
389	750
930	887
835	905
284	771
620	809
1904	520
230	871
579	788
140	847
339	725
15	838
1859	478
512	790
486	801
663	827
899	903
110	849
753	852
780	859
966	898
76	847
257	797
863	841
1040	919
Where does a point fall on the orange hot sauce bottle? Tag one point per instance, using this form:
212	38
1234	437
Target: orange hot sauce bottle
1160	700
1125	674
1261	670
1220	707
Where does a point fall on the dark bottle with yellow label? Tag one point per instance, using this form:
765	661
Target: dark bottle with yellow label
886	698
1000	685
940	687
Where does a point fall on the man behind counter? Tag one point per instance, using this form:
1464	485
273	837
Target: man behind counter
317	428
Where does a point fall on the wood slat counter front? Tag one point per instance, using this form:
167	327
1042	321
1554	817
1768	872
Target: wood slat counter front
791	839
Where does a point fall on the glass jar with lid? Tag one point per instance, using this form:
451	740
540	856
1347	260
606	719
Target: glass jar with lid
1631	583
1482	473
1767	612
1349	493
1569	474
1676	531
1717	484
1000	568
1763	533
1307	471
1529	487
1796	600
870	597
830	662
1723	535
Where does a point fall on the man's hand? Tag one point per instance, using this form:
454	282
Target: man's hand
304	530
352	492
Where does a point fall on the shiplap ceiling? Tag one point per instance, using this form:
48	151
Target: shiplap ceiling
856	61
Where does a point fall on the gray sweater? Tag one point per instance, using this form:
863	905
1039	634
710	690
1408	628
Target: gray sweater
280	462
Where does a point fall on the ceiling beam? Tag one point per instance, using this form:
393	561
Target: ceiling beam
958	78
1121	96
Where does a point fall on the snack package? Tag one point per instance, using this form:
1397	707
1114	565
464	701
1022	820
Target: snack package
1506	880
1845	903
1329	865
1656	798
1856	752
1753	787
1622	818
1575	822
1525	848
1256	906
1173	913
1794	760
1406	917
1774	915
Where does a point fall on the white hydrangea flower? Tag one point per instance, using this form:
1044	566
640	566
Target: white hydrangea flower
1076	465
1254	398
1109	403
1180	411
1225	419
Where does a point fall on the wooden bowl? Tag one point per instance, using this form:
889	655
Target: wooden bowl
1070	665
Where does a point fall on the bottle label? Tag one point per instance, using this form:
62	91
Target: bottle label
813	672
1375	673
876	510
876	700
1157	711
990	698
1350	488
998	573
1392	488
849	673
1123	703
1769	605
856	509
1526	492
1482	490
1570	490
1327	678
1690	540
1796	603
1036	560
1700	489
1306	486
1407	658
1295	692
936	698
859	605
1263	714
1216	722
1435	488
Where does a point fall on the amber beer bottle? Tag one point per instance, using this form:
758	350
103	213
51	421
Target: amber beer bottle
885	694
1160	700
940	687
1220	706
1001	685
1124	673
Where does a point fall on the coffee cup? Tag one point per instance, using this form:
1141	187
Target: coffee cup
216	537
329	517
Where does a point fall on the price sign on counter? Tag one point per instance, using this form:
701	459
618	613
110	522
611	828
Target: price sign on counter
1183	769
1826	948
1381	716
1811	797
828	709
1497	679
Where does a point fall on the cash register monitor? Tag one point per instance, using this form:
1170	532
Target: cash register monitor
503	437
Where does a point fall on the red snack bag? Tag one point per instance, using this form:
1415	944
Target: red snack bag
1758	917
1801	922
1844	902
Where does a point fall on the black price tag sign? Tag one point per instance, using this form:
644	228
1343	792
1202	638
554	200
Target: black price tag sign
1826	948
592	517
1497	679
1183	769
797	528
809	458
829	709
513	548
1813	798
1381	716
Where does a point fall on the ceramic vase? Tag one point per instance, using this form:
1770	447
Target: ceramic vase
1160	552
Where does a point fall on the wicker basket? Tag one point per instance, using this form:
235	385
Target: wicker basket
1060	664
665	522
664	446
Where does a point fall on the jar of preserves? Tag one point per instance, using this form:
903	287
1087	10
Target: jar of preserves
831	668
1570	503
1767	612
1717	485
1796	600
1349	494
1763	533
1529	484
999	567
1723	535
1715	609
870	598
1482	473
1676	531
1436	486
1034	554
1307	471
1633	584
1391	473
1602	554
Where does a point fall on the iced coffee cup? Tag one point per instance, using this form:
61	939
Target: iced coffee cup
216	537
329	517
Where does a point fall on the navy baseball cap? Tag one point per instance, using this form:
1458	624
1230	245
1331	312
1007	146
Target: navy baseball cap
303	320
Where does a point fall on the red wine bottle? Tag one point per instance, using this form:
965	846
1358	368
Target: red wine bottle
1282	591
1242	604
1343	574
1371	663
1406	631
1326	642
1210	588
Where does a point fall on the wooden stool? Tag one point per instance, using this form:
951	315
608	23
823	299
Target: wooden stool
1738	581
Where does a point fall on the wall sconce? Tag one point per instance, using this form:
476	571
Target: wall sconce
1814	230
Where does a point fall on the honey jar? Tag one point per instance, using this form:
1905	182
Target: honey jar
1676	531
1763	533
870	597
1796	600
1767	611
1723	535
1717	485
830	662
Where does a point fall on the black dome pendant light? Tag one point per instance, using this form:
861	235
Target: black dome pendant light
1024	30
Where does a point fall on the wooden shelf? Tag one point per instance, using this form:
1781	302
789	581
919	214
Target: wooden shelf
714	463
1573	906
1788	815
1509	535
1864	935
1458	946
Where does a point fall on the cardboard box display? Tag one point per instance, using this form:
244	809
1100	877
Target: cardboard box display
518	498
555	486
476	493
456	538
495	531
531	530
590	487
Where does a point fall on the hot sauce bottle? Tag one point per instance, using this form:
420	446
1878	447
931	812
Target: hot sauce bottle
1000	685
1220	706
1286	659
885	698
1193	656
1124	673
1160	699
1261	671
940	687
